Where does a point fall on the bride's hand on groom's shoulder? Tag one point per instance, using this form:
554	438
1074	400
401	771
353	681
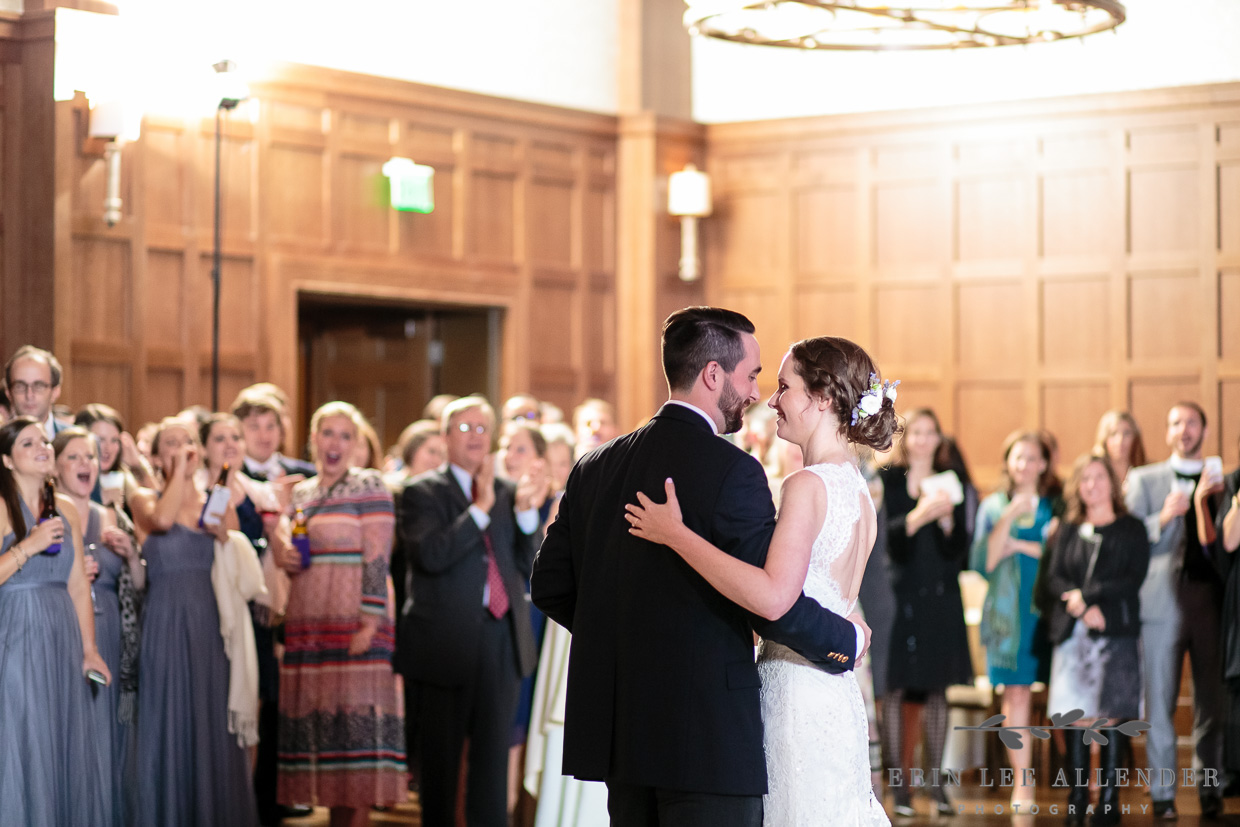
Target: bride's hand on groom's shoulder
656	522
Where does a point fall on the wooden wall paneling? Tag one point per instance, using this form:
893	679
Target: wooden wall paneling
990	323
1163	211
1228	426
163	395
103	296
913	328
102	382
1229	317
1227	189
986	412
912	228
990	218
1150	400
31	159
362	211
1114	243
297	207
748	226
1071	412
1166	314
1076	323
829	311
1097	224
553	221
826	243
492	199
1075	205
1208	333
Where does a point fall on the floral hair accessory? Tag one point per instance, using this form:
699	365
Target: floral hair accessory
872	399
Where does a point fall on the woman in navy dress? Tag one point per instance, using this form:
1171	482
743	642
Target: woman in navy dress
192	769
116	574
52	772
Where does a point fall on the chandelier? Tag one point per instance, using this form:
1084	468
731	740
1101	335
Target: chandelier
867	25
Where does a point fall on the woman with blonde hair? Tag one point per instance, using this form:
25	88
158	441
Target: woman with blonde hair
1119	440
1094	619
342	741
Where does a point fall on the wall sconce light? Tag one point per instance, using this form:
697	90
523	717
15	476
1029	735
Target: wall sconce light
688	197
109	123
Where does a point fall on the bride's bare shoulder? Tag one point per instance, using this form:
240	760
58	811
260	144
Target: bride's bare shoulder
802	488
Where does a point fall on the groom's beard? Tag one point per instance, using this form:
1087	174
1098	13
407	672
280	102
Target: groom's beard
732	406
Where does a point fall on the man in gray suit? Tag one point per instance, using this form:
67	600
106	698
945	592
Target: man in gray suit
1180	605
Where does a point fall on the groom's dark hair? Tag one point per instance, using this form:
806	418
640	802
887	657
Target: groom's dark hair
696	336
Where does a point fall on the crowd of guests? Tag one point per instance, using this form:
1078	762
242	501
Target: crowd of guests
1097	587
199	629
208	631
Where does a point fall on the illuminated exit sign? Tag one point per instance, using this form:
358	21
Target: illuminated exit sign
412	185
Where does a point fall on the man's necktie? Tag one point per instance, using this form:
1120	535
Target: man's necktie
498	603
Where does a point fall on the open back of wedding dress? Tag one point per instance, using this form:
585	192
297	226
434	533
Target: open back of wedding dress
816	733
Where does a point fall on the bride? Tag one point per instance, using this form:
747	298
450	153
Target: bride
815	730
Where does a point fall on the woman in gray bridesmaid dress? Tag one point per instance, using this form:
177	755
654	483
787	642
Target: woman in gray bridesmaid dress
51	771
119	572
192	771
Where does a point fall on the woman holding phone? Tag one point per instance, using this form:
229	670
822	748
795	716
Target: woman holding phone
47	647
194	772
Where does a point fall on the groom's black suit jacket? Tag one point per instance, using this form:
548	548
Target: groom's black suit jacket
662	685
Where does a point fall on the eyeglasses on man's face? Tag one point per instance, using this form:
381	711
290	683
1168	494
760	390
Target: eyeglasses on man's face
465	427
21	388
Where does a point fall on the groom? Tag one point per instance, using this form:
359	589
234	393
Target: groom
662	686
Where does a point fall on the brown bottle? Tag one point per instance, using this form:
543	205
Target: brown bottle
48	512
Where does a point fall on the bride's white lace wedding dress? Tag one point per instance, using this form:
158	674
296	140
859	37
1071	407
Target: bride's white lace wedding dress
816	733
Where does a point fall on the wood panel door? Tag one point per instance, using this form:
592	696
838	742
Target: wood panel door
389	361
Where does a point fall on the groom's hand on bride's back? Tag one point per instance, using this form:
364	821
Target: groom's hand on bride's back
855	617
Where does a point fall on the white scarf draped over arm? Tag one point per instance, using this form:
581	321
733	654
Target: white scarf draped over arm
237	577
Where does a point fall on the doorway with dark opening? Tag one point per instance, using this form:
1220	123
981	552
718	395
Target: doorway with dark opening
390	358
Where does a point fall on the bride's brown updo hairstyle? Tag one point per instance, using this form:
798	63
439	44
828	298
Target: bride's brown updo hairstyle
839	370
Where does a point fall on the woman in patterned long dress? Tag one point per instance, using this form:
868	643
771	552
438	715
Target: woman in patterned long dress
52	771
342	742
816	734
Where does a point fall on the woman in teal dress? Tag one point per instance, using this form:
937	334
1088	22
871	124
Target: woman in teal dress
1011	532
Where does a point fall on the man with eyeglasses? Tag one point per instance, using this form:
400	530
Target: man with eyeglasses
32	381
465	633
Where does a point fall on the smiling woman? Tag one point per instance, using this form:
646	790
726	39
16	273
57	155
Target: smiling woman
47	643
341	725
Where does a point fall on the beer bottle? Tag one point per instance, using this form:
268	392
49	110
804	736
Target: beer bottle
48	512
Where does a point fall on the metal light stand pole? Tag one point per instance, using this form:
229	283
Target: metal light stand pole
225	104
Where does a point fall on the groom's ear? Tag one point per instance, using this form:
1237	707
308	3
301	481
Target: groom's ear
712	375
